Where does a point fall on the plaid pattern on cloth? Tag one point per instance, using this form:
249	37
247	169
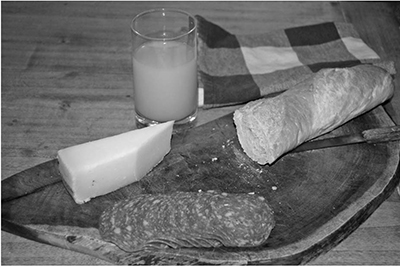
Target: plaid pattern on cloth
235	69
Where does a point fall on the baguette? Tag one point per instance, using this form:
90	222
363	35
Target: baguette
268	128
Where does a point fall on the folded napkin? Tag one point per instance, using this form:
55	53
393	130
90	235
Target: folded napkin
235	69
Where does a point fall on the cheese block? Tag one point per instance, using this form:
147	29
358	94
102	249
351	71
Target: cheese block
99	167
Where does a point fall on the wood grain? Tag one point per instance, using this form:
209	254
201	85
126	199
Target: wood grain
318	197
66	80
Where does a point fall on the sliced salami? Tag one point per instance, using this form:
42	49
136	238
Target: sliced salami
187	219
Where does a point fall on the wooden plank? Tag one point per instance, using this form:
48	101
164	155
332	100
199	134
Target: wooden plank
34	128
319	197
63	62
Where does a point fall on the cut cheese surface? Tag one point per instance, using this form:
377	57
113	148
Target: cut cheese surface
103	166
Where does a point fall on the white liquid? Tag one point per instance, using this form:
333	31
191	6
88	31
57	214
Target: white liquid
165	80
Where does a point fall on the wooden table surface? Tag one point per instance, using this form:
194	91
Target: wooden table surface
66	79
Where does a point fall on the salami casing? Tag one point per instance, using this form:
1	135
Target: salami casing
187	219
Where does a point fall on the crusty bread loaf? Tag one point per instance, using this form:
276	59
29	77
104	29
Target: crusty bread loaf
268	128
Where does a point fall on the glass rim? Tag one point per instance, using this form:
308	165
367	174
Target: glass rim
160	10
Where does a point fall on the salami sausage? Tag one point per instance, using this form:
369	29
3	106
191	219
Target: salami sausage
187	219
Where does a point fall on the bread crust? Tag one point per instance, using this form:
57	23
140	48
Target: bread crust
268	128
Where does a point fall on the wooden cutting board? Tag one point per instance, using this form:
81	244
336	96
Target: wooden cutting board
319	197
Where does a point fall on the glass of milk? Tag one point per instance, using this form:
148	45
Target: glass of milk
164	56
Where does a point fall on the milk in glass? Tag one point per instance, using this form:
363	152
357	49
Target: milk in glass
165	80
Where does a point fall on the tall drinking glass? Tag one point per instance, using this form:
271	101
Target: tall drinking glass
164	57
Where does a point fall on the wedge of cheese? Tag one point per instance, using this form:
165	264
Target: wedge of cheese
99	167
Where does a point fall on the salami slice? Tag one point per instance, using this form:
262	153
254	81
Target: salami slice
187	219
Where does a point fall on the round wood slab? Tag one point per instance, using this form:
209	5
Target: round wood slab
319	197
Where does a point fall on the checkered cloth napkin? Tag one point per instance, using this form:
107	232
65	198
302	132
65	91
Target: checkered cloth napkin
235	69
